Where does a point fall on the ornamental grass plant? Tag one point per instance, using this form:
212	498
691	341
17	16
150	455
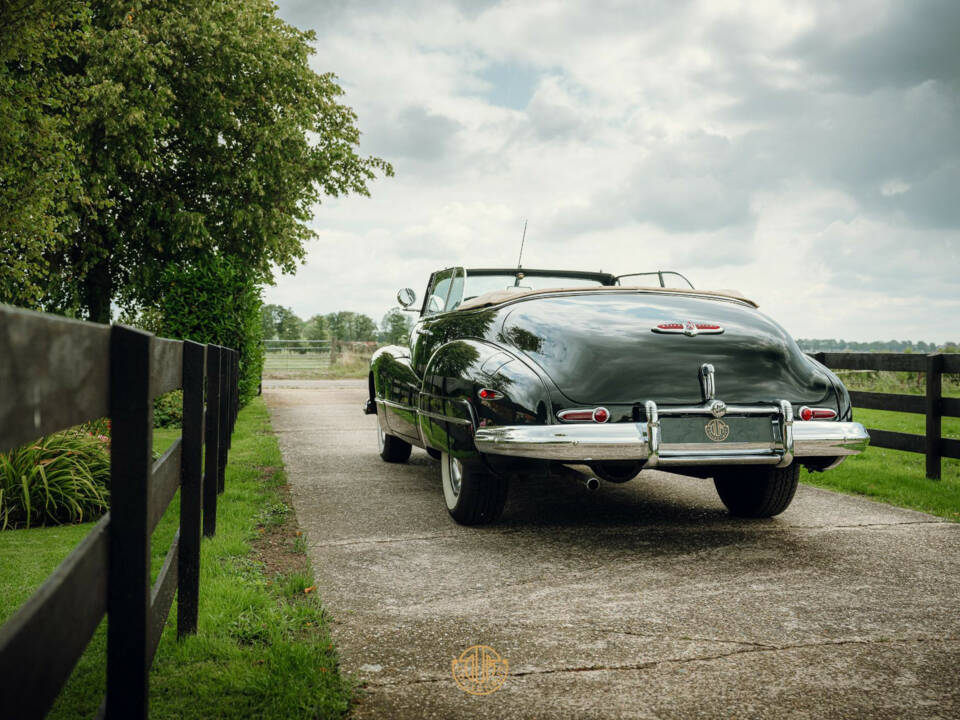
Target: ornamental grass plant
62	478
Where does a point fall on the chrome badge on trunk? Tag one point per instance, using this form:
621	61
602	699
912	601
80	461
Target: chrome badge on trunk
687	327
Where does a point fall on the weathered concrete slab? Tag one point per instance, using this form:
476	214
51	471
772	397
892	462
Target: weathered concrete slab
643	600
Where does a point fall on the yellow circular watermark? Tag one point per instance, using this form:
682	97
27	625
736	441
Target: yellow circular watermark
480	670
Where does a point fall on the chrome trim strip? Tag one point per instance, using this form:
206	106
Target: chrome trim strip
708	409
444	418
399	406
473	422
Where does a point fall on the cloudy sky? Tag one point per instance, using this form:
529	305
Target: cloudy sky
805	153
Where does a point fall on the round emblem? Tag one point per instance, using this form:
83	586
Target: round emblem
717	430
480	670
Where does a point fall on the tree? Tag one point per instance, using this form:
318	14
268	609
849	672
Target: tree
217	281
350	326
316	328
204	131
395	328
290	326
39	174
270	320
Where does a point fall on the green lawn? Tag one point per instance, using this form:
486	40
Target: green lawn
897	477
262	650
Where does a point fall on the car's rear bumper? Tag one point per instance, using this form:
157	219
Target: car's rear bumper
590	442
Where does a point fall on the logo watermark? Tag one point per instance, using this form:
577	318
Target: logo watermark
717	430
480	670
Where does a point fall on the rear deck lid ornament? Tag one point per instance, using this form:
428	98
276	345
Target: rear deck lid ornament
690	328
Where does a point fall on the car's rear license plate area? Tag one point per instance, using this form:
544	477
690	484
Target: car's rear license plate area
710	432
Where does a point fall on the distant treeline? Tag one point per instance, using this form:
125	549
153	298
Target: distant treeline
897	346
281	323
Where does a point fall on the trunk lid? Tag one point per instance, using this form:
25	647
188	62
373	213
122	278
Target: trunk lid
601	349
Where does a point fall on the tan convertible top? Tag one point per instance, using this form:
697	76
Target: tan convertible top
501	296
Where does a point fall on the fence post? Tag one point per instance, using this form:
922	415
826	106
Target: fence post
211	470
224	413
191	490
236	388
233	396
934	425
128	583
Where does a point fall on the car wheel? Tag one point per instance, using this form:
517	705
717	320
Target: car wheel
435	454
392	449
757	492
473	496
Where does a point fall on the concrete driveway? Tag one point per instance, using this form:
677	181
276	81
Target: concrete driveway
643	600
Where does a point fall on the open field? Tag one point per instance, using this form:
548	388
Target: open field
290	366
897	477
262	649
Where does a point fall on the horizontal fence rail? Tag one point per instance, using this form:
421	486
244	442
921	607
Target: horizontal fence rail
56	373
932	404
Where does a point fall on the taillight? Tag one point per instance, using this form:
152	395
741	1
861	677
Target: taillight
600	415
488	394
807	413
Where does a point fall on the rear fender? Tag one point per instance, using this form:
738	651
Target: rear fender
450	404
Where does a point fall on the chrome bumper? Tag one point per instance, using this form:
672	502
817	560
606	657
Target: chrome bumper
642	440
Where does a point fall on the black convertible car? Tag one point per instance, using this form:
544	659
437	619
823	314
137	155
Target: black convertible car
549	372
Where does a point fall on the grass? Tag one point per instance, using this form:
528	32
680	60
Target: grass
896	477
904	383
263	648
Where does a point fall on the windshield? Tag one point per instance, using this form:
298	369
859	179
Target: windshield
479	284
663	278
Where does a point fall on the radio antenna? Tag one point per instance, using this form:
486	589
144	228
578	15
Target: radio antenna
522	239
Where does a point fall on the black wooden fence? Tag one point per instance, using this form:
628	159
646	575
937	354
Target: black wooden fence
56	373
933	404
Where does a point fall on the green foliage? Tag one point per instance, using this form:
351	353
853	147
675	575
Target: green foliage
290	327
280	323
214	301
39	171
902	383
61	478
273	514
351	327
395	328
316	328
263	649
168	410
139	137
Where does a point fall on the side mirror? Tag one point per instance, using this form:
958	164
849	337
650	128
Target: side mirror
406	297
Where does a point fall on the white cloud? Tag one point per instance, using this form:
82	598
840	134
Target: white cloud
746	144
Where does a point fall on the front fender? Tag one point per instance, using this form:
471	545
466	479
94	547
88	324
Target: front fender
395	390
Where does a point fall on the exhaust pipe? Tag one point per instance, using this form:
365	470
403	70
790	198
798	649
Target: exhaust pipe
583	473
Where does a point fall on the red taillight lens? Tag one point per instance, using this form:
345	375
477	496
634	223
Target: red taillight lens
600	415
807	413
488	394
576	415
